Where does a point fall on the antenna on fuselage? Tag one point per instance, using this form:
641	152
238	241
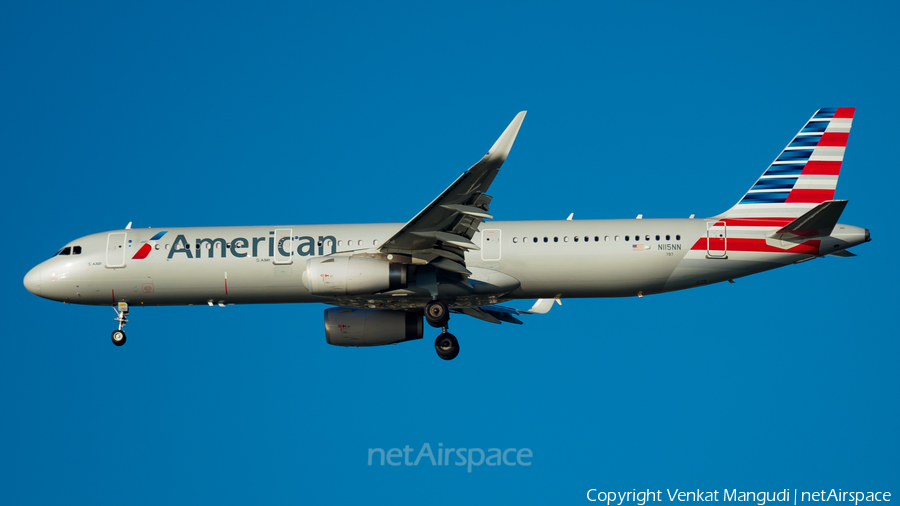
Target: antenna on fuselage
128	227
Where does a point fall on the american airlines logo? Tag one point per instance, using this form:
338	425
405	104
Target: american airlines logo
148	246
241	247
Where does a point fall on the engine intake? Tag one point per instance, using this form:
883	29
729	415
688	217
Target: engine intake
342	275
370	327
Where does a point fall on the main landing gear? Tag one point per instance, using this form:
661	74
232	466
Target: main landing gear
118	336
437	314
446	345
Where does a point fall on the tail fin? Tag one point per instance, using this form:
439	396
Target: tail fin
805	174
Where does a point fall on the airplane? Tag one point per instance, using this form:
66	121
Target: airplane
452	258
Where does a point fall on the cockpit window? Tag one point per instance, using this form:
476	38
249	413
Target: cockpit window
76	250
65	251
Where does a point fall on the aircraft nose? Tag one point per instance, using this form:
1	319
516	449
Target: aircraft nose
32	281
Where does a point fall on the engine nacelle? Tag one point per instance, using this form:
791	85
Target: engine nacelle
370	327
342	275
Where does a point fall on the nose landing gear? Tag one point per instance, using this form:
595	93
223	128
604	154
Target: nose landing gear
118	336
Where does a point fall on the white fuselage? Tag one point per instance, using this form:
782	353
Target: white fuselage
517	260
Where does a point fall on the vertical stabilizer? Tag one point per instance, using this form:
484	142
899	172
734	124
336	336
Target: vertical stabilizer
806	172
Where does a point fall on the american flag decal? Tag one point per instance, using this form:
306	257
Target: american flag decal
640	247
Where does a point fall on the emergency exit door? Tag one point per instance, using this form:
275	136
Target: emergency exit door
490	245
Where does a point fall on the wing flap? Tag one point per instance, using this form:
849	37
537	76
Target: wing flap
497	314
449	265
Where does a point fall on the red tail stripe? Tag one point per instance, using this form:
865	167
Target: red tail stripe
834	139
822	168
844	112
754	245
806	196
755	222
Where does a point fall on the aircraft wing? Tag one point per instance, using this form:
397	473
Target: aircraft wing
499	314
442	232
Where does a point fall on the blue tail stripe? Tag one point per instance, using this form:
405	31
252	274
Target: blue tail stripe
815	127
788	169
797	154
773	184
765	198
805	140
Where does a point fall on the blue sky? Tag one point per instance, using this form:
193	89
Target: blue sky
225	114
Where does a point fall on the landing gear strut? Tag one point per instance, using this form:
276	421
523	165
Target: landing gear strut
118	336
437	314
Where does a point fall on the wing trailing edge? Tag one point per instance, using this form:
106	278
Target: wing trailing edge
499	314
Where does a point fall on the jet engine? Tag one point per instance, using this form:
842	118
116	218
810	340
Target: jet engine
343	275
370	327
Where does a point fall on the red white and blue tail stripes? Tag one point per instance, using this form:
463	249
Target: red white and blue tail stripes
805	173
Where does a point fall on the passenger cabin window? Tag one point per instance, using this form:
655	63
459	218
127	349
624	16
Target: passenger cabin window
535	239
576	238
657	238
515	239
556	239
677	237
668	237
627	237
606	238
545	239
617	238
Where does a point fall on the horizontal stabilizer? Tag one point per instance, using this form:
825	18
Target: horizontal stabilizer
842	253
818	221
